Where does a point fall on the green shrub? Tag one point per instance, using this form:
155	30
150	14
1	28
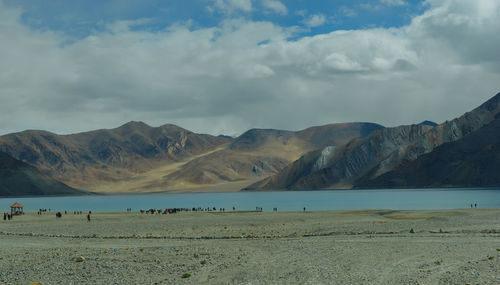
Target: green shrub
186	275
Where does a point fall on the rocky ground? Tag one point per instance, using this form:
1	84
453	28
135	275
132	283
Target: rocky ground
354	247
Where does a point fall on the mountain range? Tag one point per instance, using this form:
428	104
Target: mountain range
137	158
386	157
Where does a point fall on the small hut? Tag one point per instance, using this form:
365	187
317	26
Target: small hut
16	209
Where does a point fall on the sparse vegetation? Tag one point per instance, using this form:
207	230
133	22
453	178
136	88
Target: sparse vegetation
186	275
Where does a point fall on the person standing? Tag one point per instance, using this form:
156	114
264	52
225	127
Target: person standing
88	217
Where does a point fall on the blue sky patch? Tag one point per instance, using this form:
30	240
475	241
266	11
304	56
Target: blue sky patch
80	18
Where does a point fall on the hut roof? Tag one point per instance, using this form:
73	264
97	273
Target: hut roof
16	205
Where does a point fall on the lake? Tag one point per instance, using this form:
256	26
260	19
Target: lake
284	201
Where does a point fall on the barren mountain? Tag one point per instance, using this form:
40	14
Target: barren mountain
138	158
256	154
471	161
378	153
20	179
90	158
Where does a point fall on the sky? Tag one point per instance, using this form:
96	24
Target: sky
225	66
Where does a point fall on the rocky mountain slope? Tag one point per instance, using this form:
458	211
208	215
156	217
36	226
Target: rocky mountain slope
138	158
256	154
20	179
92	157
381	152
471	161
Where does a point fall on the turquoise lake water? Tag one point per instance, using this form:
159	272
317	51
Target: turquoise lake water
283	201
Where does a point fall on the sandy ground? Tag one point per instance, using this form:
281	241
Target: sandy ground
355	247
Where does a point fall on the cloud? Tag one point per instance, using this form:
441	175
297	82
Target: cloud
315	20
222	79
232	6
394	2
348	12
275	6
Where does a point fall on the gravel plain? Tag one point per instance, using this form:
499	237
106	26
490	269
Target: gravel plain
333	247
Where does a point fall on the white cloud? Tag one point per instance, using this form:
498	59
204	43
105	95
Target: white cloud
315	20
222	80
348	12
275	6
394	2
232	6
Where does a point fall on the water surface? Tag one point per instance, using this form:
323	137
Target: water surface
406	199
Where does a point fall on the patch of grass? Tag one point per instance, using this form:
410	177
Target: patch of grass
408	218
186	275
357	212
491	257
498	249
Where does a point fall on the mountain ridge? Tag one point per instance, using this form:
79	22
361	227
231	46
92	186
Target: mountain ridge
470	161
138	157
20	179
376	154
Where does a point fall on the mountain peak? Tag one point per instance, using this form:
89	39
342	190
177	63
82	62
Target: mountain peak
428	123
492	103
135	124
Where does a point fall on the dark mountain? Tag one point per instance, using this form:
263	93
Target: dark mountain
428	123
380	152
20	179
337	166
471	161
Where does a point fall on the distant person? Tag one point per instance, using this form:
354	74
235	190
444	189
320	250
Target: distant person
88	217
304	209
475	205
4	216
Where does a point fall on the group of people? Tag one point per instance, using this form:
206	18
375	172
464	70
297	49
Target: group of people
59	214
7	216
176	210
160	211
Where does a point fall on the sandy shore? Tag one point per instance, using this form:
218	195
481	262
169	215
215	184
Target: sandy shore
355	247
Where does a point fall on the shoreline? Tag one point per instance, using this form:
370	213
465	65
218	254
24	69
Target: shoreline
204	191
